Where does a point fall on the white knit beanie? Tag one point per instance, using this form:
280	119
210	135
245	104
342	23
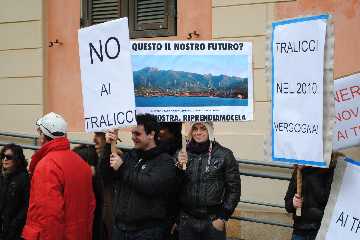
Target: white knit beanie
209	126
52	125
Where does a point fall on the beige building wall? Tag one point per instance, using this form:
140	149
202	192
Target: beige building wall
21	64
246	20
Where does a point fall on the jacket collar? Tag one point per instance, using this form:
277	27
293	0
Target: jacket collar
149	154
56	144
13	173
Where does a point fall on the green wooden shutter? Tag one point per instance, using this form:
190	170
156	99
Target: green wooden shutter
147	18
152	18
100	11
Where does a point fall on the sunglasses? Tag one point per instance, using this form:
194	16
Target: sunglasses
8	157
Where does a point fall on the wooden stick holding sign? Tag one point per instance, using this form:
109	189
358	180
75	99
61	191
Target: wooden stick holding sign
183	157
298	187
183	151
114	149
116	154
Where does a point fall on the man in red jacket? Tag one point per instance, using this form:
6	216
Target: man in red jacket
62	201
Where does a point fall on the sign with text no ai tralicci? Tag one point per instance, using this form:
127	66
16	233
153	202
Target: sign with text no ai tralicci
106	76
297	90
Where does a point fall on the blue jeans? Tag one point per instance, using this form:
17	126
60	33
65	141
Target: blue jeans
306	237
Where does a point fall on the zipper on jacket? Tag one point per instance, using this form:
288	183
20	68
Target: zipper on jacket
197	196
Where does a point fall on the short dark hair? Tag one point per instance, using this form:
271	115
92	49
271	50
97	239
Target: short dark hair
87	153
19	157
150	124
100	133
175	129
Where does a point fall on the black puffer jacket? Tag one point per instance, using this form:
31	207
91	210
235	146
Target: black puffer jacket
142	186
316	186
14	201
213	192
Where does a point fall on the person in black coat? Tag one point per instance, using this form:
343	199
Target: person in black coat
316	186
105	185
170	141
14	192
211	186
88	153
144	177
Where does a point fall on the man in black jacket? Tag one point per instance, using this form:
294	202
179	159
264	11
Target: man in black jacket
145	175
316	186
210	190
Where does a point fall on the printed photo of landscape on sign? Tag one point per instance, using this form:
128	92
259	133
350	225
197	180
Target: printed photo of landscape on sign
190	80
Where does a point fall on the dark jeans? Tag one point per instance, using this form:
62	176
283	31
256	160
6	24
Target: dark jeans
154	233
310	236
191	228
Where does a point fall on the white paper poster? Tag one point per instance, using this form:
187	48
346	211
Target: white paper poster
182	81
347	114
342	214
297	90
106	76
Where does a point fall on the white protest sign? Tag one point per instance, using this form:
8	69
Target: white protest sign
347	114
182	81
106	76
297	90
342	214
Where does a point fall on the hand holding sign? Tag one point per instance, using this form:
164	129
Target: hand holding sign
182	159
111	137
297	201
115	161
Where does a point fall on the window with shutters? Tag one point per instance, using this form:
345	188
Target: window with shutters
147	18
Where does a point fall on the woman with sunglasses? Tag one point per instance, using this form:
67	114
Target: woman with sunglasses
14	192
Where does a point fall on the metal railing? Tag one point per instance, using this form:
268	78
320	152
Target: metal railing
240	161
246	219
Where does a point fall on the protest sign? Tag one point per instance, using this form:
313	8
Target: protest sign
106	76
297	73
347	115
193	80
342	214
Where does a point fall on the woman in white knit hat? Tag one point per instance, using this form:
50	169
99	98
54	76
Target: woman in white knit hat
210	189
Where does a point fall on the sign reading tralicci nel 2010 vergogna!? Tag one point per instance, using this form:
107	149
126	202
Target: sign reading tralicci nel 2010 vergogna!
106	76
297	90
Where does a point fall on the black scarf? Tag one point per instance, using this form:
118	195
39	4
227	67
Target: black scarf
198	148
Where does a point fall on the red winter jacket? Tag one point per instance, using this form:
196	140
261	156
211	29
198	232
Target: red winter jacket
62	201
